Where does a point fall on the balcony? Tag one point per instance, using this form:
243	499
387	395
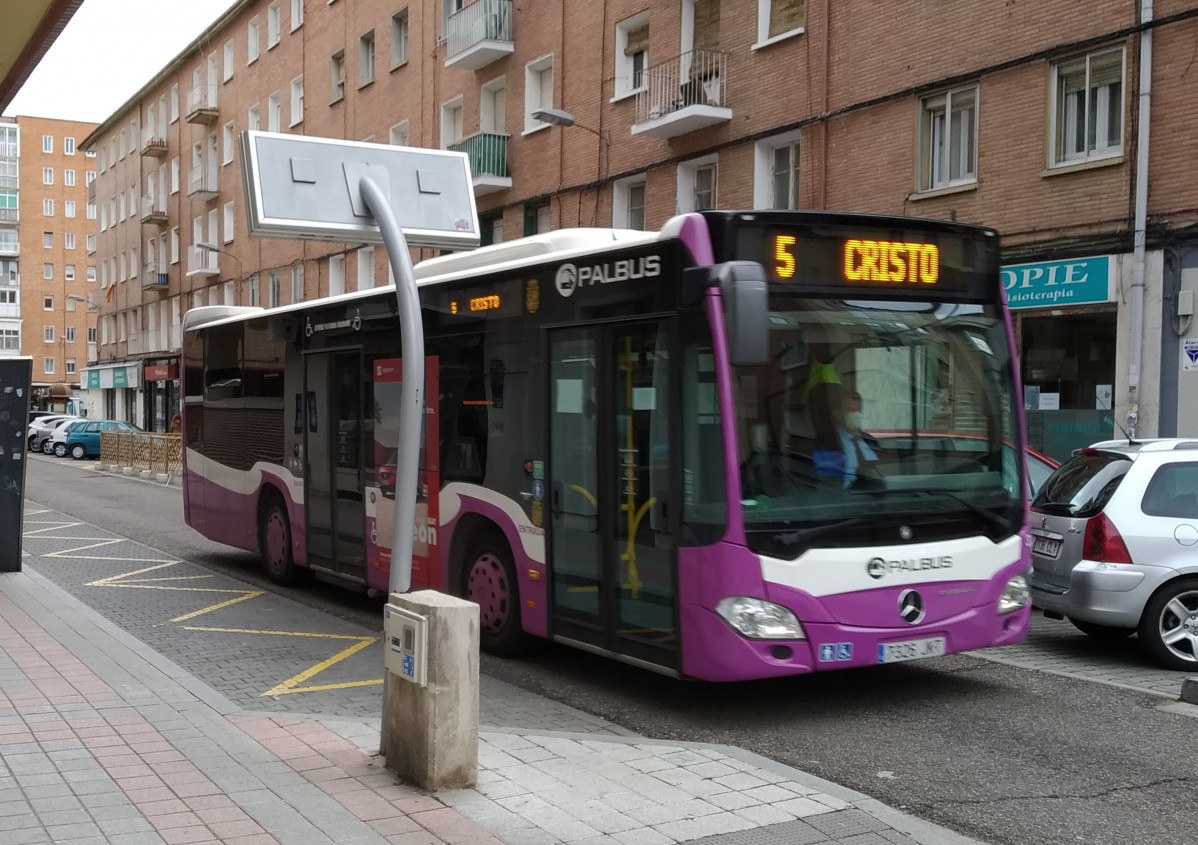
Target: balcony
682	95
154	277
153	210
202	262
10	182
9	248
9	215
487	152
201	104
202	183
479	34
153	143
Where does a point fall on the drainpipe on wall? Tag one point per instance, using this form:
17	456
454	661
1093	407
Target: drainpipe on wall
1141	222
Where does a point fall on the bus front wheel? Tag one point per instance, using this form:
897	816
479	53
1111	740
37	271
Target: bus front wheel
274	538
491	584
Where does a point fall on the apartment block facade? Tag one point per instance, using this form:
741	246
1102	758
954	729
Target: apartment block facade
45	272
1066	132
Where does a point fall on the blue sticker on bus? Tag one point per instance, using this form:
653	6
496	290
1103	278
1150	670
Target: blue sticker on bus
827	653
844	651
835	652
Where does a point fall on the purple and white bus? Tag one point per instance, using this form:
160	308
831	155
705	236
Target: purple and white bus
752	444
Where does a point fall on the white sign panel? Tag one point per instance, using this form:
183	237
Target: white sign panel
1189	354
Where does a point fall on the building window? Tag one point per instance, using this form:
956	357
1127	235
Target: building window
69	240
297	283
47	175
366	59
366	268
451	122
175	245
1088	108
47	208
68	146
253	119
48	334
228	143
68	334
228	222
48	364
91	273
778	19
337	76
297	100
538	90
776	172
48	302
91	335
48	240
632	54
47	143
336	275
272	284
91	215
68	272
68	178
628	203
89	176
47	271
399	38
697	185
948	133
70	366
274	112
227	62
68	209
174	102
297	14
398	134
538	218
253	290
251	54
10	340
272	25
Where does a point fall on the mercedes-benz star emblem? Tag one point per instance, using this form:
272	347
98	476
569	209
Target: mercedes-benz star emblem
910	605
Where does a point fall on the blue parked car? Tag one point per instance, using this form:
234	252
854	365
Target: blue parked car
83	441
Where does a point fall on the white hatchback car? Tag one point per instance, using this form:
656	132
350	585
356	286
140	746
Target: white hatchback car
42	427
1115	545
56	443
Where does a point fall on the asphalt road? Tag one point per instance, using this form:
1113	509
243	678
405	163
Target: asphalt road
997	752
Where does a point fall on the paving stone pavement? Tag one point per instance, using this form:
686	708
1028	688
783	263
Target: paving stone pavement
105	740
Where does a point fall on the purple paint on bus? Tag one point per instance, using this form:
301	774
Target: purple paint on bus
232	518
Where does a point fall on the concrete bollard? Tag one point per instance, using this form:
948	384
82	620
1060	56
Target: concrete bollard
1189	690
430	733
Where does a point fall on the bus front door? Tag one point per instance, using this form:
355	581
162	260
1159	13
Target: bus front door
612	550
334	443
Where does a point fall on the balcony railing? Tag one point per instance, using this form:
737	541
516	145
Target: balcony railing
154	277
201	103
202	182
9	215
487	152
10	247
683	94
153	142
10	182
153	210
479	34
202	262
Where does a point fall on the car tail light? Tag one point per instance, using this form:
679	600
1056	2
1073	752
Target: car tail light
1103	542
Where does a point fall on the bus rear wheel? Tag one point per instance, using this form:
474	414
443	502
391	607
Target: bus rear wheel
490	582
274	539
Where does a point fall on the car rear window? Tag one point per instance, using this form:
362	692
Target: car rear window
1083	485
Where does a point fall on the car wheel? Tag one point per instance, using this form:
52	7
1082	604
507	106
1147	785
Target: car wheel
490	582
32	444
1102	632
78	451
274	540
60	449
1169	626
47	446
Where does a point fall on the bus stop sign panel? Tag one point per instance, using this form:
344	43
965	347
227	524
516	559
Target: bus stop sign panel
303	187
15	375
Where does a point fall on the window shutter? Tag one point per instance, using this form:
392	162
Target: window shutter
786	15
638	41
707	25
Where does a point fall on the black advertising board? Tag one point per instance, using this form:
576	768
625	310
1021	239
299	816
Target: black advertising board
15	375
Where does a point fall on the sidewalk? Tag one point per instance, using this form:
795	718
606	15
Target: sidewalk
104	740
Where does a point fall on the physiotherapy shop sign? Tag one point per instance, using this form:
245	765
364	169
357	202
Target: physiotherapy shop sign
1050	284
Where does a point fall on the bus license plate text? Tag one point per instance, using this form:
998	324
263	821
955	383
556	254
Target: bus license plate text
911	650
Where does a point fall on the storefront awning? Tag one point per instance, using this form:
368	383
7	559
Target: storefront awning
126	374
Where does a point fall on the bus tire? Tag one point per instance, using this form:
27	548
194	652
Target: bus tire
489	580
274	542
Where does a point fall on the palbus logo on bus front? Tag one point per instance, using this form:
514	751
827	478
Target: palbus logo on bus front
570	277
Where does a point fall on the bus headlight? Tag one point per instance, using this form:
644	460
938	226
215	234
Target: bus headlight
760	620
1014	595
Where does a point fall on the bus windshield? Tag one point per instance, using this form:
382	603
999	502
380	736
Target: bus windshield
878	421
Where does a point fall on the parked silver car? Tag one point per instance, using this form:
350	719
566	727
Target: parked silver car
1115	545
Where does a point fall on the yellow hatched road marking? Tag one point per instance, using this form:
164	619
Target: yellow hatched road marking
291	685
127	581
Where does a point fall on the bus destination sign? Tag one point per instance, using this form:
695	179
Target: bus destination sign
885	262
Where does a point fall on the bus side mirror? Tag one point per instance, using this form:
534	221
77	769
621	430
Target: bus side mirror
746	312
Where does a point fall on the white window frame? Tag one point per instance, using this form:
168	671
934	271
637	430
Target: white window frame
48	240
297	14
47	175
274	112
400	32
68	209
366	58
297	100
253	117
626	69
175	245
47	270
274	25
174	102
764	160
68	146
492	106
48	366
252	41
398	135
68	272
297	283
538	91
948	139
765	9
228	59
175	175
227	228
47	208
68	240
337	76
336	275
452	118
47	143
228	139
68	178
623	212
688	173
1095	108
365	268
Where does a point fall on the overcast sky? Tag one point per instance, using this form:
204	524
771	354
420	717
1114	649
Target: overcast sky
109	50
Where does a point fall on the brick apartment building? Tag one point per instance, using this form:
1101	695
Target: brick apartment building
45	267
1030	117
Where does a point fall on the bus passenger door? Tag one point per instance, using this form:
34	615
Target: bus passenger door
335	439
611	545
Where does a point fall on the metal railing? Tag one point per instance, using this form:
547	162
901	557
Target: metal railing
694	78
487	152
201	97
202	179
482	20
142	452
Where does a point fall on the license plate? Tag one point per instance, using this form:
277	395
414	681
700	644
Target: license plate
911	650
1047	546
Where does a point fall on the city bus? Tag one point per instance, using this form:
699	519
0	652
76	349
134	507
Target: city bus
637	443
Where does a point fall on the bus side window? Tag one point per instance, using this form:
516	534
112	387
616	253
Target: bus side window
466	441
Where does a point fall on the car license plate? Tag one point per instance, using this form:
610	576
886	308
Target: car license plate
1047	546
911	650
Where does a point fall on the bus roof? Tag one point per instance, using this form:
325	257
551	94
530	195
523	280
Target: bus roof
561	243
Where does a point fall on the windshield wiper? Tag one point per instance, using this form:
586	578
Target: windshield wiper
985	513
803	536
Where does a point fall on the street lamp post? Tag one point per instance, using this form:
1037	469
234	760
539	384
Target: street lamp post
558	117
